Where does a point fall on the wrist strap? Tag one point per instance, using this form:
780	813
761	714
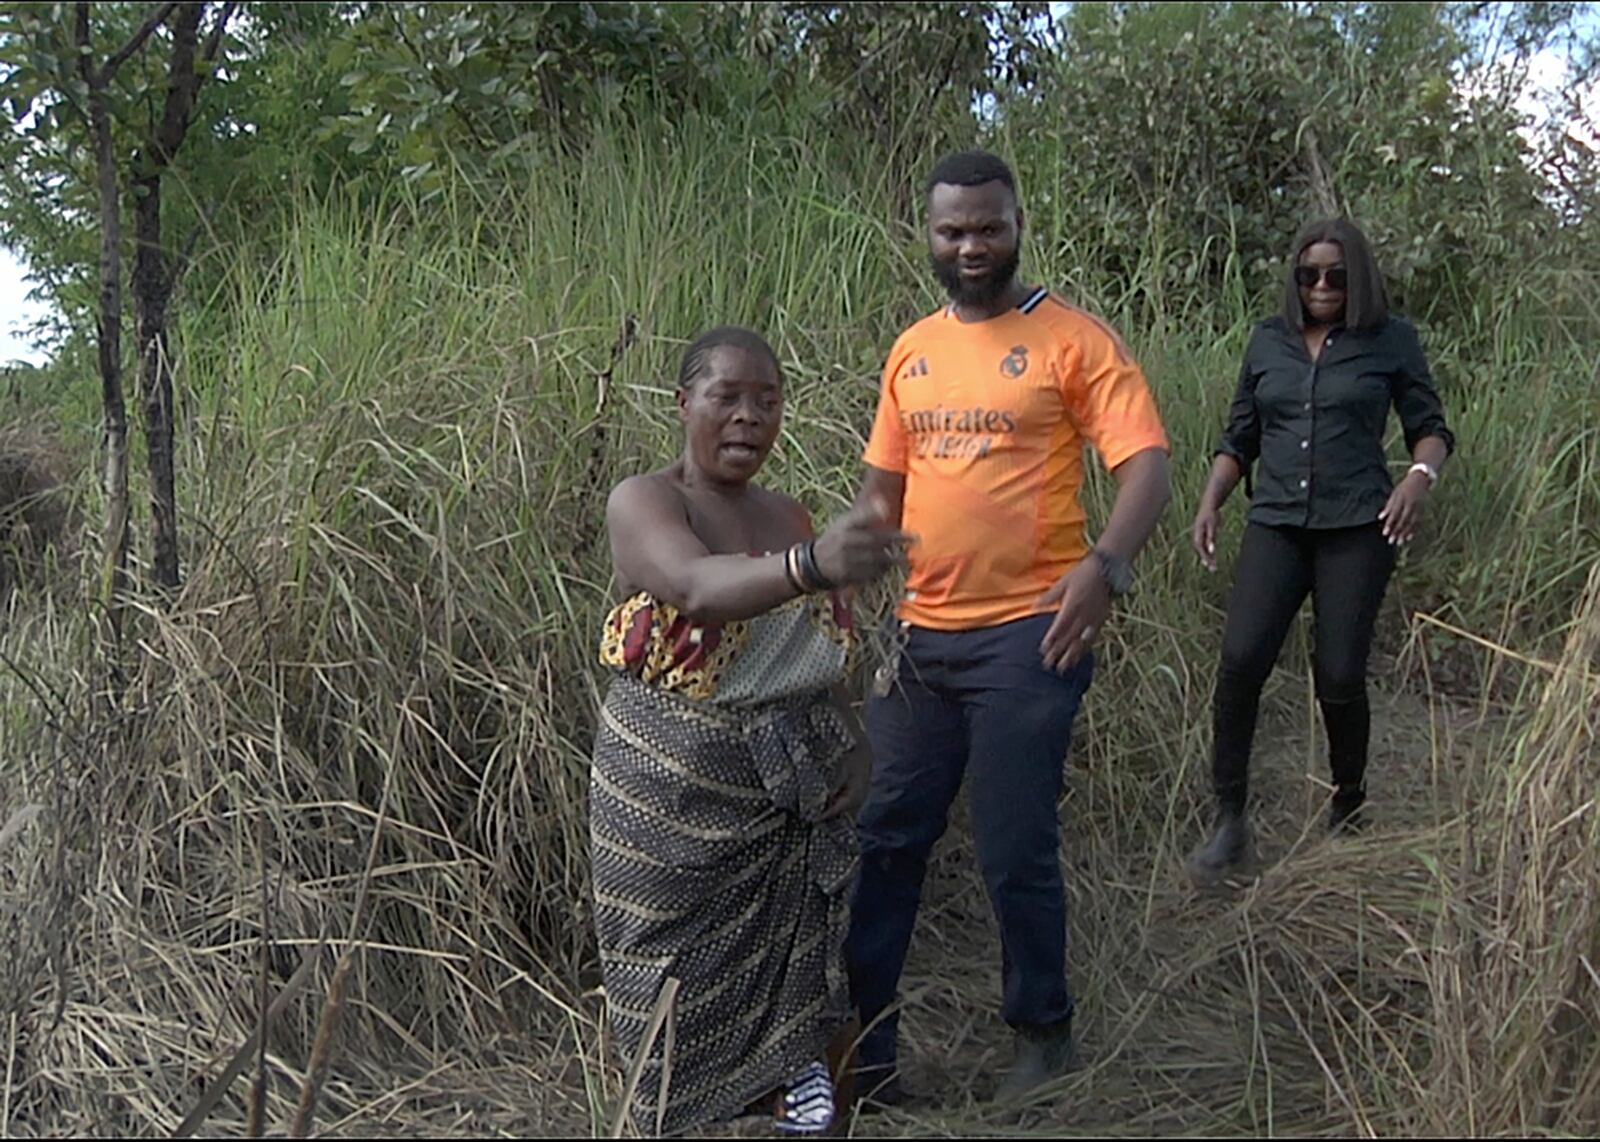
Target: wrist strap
1427	470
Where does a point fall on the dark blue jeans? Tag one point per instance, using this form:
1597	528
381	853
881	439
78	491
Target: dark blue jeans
979	701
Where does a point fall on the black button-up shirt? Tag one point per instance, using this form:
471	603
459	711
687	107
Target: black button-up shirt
1317	426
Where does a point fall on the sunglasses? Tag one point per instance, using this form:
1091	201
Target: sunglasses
1307	276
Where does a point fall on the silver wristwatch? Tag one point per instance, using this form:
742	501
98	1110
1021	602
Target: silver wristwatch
1427	470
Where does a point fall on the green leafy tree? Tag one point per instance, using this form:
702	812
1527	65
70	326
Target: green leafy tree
1184	145
102	100
434	84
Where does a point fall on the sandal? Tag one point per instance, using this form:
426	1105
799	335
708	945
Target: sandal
805	1105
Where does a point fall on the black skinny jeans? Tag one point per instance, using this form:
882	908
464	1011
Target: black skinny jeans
1345	570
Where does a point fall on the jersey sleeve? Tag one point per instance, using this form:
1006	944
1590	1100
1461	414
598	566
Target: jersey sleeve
1109	398
887	446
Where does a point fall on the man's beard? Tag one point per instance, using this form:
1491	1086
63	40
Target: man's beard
980	293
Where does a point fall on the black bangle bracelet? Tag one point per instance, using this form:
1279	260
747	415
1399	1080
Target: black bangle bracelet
809	569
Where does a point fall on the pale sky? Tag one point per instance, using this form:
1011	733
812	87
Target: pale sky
16	312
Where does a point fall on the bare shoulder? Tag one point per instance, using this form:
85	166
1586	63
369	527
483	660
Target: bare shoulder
647	494
645	516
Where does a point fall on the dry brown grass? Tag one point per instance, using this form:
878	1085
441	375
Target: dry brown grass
362	728
1434	975
36	511
359	737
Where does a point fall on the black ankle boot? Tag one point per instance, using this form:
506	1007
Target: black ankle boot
1042	1054
879	1088
1229	848
1345	811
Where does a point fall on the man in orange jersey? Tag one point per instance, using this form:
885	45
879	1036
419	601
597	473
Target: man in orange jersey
978	449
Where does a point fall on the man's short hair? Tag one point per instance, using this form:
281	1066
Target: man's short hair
971	168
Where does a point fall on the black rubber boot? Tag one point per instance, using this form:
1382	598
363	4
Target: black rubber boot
878	1088
1349	729
1345	815
1042	1054
1229	849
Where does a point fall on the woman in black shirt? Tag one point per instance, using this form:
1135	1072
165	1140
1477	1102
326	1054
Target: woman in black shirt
1313	398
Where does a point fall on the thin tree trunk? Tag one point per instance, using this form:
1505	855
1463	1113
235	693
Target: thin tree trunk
113	581
1322	188
152	287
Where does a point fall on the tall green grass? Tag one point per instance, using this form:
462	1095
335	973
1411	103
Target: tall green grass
364	724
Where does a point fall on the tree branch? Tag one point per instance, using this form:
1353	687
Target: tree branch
120	56
483	141
208	55
183	86
81	35
84	42
1322	188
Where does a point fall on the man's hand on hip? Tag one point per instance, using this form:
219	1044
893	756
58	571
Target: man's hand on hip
1083	603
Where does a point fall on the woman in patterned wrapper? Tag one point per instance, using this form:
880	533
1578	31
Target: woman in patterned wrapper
728	764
